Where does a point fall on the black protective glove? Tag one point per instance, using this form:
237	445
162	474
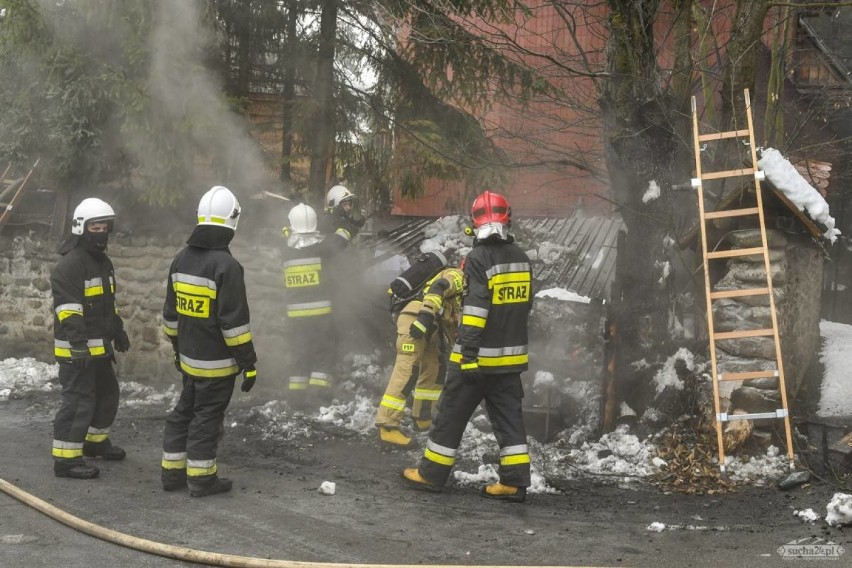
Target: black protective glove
80	357
177	363
249	378
423	325
470	367
121	342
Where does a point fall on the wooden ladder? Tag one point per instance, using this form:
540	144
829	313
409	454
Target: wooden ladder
6	184
697	182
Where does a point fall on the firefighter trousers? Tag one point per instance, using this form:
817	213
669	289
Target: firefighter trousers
312	347
195	426
89	405
417	367
503	395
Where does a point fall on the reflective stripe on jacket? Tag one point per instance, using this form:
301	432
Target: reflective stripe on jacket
84	312
206	313
495	311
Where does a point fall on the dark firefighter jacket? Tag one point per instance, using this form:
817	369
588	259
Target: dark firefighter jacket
307	281
84	313
206	314
496	309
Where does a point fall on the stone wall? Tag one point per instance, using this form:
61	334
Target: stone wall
141	267
796	267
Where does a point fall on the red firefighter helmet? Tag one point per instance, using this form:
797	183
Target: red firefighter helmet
490	207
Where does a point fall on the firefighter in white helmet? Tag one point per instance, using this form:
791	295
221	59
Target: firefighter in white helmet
308	302
206	317
341	212
87	330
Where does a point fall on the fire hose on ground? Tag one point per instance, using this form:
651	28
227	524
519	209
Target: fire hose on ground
182	553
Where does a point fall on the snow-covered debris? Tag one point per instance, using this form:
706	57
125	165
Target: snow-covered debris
446	233
839	510
327	488
808	515
21	375
787	179
667	376
563	294
357	415
656	527
758	469
652	192
134	394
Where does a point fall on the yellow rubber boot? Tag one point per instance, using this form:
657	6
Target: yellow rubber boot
394	437
411	476
422	425
505	492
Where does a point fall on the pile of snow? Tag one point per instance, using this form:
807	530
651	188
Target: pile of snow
784	176
563	295
839	510
758	469
836	392
22	375
808	515
667	376
358	415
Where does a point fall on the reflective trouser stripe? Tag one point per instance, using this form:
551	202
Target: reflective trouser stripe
319	380
427	394
174	460
97	435
438	458
67	450
393	403
298	383
198	468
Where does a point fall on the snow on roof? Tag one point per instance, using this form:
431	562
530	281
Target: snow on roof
784	176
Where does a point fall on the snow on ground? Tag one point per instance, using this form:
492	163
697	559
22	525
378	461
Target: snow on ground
836	356
618	457
27	374
808	515
667	376
839	510
783	175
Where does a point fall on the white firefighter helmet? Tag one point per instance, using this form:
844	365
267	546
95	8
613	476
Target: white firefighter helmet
91	210
219	207
336	195
303	219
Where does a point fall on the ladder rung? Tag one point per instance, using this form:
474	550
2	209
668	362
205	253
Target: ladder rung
732	213
734	252
748	375
745	333
728	173
725	417
723	135
738	293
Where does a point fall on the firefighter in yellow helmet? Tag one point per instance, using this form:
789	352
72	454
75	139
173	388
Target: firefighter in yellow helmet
424	325
206	316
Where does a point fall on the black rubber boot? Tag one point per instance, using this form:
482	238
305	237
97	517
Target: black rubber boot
103	449
173	479
75	469
211	486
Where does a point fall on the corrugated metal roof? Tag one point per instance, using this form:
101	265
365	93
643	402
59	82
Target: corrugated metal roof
585	264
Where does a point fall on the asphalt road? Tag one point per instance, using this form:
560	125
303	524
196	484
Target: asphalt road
275	510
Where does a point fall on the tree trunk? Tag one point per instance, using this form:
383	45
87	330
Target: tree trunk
289	93
321	149
640	148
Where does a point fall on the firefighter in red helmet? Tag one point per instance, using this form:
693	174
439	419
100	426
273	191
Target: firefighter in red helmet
488	357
